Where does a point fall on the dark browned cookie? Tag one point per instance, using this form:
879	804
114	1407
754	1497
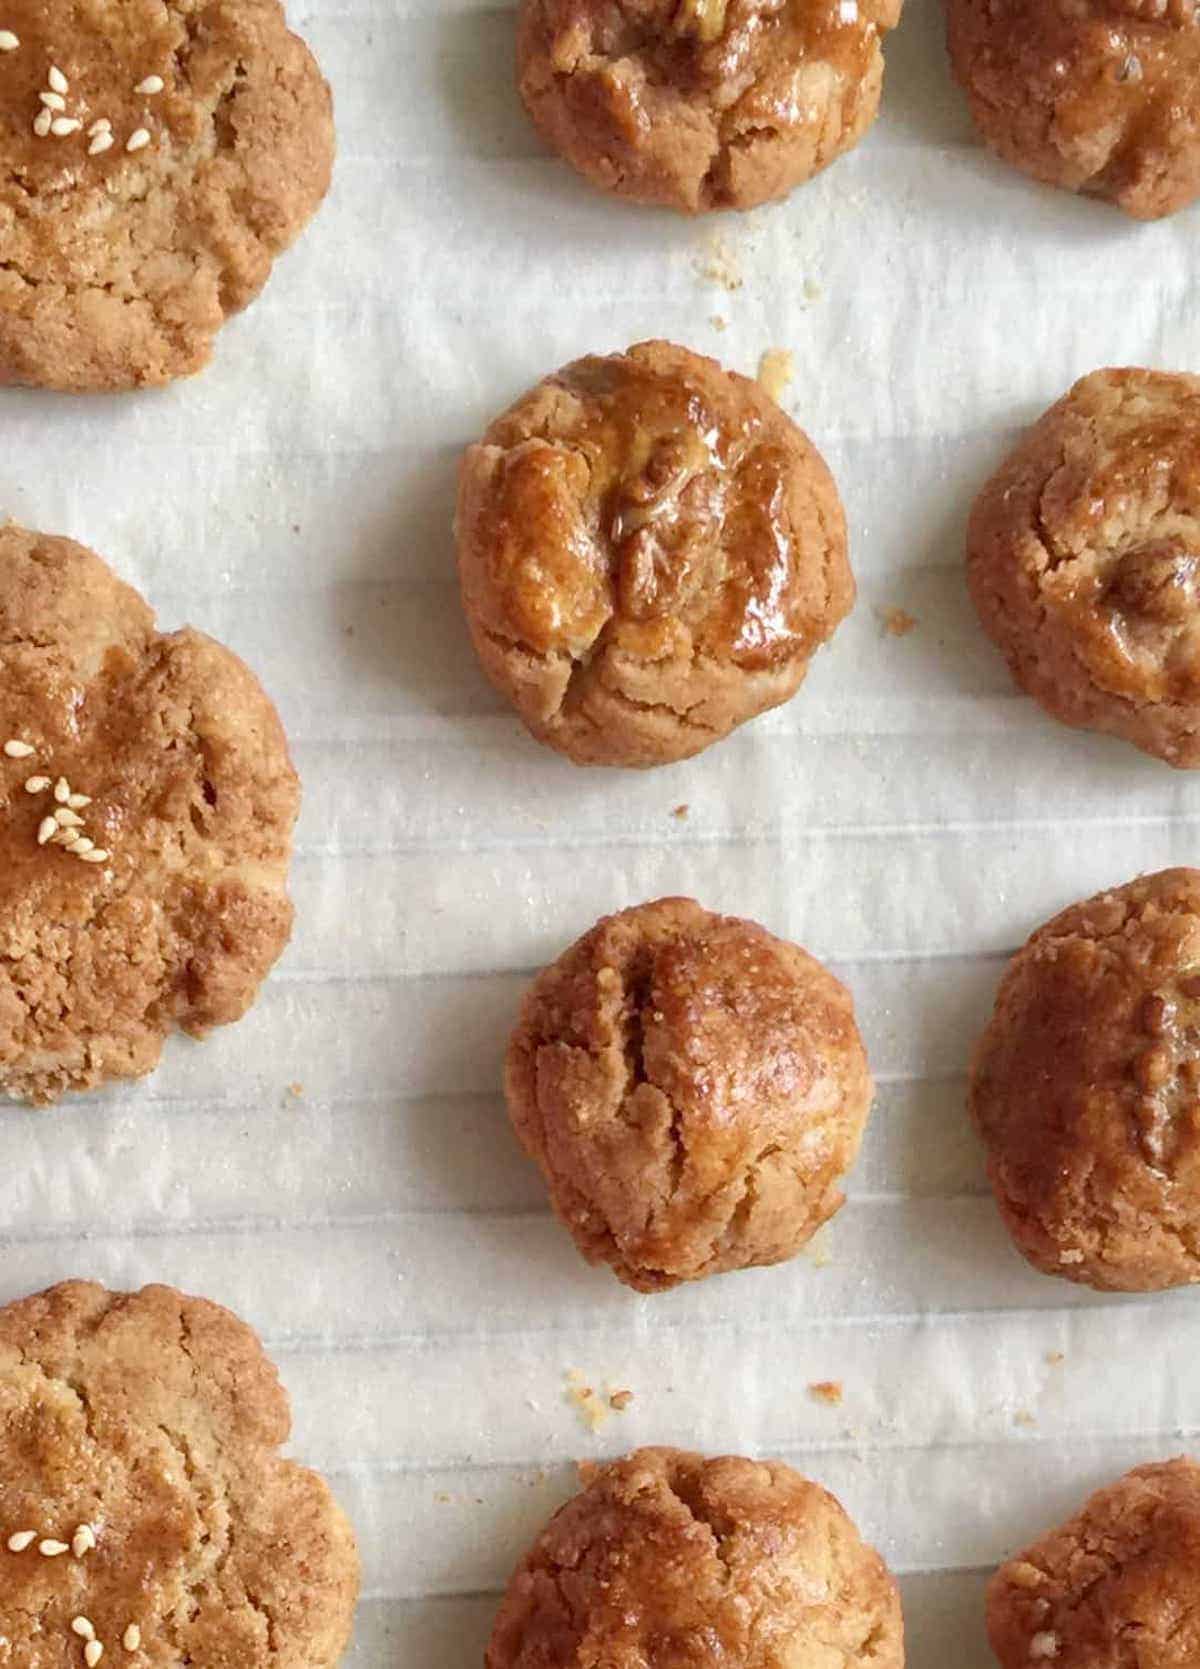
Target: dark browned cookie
702	104
1101	96
1083	556
146	809
155	157
1086	1089
684	1562
693	1090
650	552
1116	1586
146	1514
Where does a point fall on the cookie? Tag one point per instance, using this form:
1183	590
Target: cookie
1118	1585
685	1562
157	156
702	104
146	1514
692	1089
1100	96
1083	558
650	552
158	898
1086	1089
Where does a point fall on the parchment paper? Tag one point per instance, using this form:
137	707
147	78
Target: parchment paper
908	818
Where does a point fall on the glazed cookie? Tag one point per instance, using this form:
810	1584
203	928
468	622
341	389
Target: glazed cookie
1083	557
702	104
146	1514
1086	1089
650	552
1101	96
683	1562
692	1088
157	156
1114	1586
146	811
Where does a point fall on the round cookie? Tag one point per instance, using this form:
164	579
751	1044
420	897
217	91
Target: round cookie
180	779
1086	1089
702	104
692	1089
649	553
684	1562
142	1488
1083	558
126	248
1100	96
1117	1585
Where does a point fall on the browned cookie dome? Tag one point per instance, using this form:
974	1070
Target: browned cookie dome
1101	96
1083	556
693	1090
683	1562
650	552
184	144
702	104
1086	1089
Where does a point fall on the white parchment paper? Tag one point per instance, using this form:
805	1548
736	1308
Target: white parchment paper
338	1168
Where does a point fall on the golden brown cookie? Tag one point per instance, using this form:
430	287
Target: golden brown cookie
1101	96
650	552
159	897
1086	1089
1116	1587
155	157
702	104
146	1515
684	1562
1083	557
692	1088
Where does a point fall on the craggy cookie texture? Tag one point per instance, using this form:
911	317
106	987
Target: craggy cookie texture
1086	1089
1117	1586
702	104
178	773
692	1088
683	1562
650	552
124	248
1101	96
144	1505
1083	557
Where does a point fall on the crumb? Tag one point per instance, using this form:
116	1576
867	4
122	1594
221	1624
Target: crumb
1024	1574
1070	1257
818	1251
620	1400
592	1409
1055	1358
681	812
296	1090
812	290
776	370
826	1390
717	322
1024	1418
897	622
719	265
442	1496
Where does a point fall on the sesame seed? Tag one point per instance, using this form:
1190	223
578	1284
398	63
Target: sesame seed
36	785
53	101
100	125
92	1653
132	1638
152	84
41	123
138	139
80	845
18	750
63	837
8	41
20	1540
47	829
96	855
67	818
101	143
51	1549
84	1538
78	801
62	125
62	791
57	79
82	1626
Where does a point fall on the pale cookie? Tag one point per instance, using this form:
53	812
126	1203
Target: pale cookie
682	1562
147	1517
155	157
702	104
650	553
692	1088
146	809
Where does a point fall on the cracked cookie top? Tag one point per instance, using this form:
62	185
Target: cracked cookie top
650	551
688	1562
1083	557
693	1090
155	156
1086	1089
702	104
145	1509
146	809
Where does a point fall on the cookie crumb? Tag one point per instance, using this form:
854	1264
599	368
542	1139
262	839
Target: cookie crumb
620	1400
826	1390
717	322
719	265
681	812
1023	1417
442	1497
592	1409
1024	1574
812	290
776	370
1055	1358
897	622
295	1090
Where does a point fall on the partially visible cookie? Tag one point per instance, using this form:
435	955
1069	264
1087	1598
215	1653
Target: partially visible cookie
1101	96
1116	1586
702	104
1083	557
155	157
146	1514
650	553
159	896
